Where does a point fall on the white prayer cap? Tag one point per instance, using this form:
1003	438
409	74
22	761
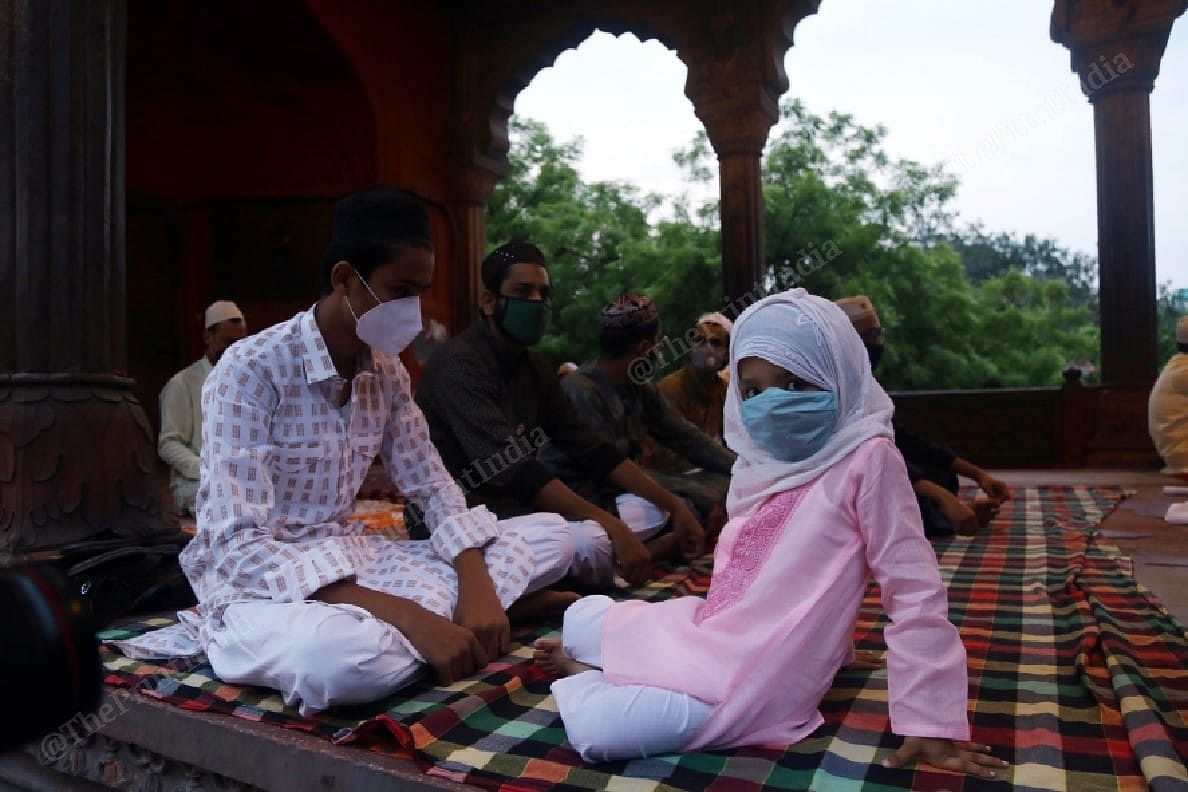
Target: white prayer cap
221	311
858	308
1182	330
718	319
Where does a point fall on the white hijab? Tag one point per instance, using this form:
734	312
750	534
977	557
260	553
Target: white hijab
812	338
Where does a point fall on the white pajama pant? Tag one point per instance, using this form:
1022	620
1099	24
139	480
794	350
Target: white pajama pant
605	722
319	654
593	557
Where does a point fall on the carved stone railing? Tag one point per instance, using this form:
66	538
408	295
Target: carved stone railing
1073	426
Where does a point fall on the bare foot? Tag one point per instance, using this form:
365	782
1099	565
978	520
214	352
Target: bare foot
541	605
548	654
866	660
985	511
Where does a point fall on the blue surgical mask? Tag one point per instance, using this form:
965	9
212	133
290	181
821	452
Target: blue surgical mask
790	425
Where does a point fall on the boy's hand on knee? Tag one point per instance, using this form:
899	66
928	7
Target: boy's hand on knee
632	559
995	488
689	532
959	757
452	651
485	617
478	608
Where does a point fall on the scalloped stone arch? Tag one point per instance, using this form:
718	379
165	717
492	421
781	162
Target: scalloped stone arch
734	55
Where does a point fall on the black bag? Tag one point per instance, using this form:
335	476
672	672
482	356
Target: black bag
115	578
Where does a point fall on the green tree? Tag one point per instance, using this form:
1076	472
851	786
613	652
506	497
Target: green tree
1032	327
1168	310
843	217
987	255
600	241
962	309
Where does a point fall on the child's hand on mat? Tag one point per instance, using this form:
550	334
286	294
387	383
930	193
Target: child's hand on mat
633	560
689	532
959	757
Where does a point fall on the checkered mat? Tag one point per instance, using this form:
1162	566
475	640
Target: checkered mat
1077	677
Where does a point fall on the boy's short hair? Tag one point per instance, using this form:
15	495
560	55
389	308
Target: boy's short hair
374	226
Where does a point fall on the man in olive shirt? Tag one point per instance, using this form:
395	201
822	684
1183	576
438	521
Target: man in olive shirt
697	389
491	403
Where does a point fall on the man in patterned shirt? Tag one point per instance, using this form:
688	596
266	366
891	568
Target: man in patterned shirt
292	595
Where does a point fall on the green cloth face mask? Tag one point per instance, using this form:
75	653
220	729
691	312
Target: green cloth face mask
526	321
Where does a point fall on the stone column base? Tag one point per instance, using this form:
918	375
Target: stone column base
77	460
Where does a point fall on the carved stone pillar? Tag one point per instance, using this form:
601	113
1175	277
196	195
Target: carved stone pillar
738	137
77	456
475	186
736	76
1116	48
734	51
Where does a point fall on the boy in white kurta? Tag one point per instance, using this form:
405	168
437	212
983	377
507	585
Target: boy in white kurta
291	594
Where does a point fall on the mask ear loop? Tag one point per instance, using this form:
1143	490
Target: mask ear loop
351	308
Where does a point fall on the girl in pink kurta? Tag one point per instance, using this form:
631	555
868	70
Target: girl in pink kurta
819	502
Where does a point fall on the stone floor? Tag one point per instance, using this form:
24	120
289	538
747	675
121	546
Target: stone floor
1159	549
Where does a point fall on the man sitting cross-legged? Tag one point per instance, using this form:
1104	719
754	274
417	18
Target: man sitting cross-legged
291	594
632	413
492	403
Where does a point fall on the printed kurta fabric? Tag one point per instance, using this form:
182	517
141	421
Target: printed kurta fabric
1077	677
281	463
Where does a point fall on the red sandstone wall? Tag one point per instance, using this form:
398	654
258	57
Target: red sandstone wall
245	120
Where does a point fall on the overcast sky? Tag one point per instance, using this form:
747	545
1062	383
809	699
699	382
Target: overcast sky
977	84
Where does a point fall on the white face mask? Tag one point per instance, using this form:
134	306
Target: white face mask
390	326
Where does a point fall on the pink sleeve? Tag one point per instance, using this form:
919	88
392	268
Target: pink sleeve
926	665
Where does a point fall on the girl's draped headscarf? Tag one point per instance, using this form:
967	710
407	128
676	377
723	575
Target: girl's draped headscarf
812	338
